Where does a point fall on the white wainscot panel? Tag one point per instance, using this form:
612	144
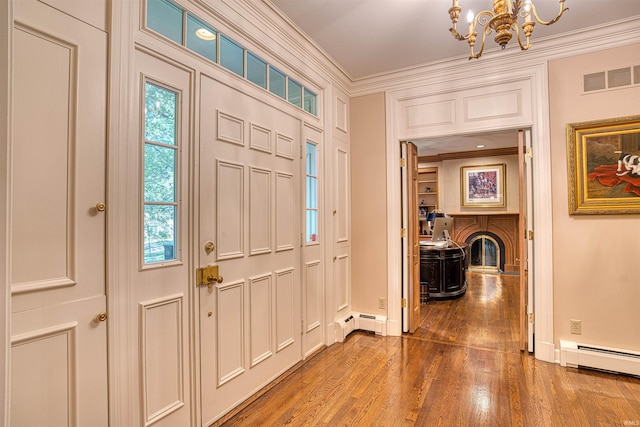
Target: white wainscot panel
44	179
229	210
499	105
313	295
284	146
260	330
161	360
259	210
341	114
230	129
230	331
260	138
284	212
284	308
46	354
342	195
428	114
342	281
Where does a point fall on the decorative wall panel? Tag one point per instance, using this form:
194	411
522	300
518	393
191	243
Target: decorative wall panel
342	116
285	308
285	211
313	296
230	129
342	195
342	281
260	138
431	113
229	210
260	329
49	354
492	106
259	210
161	361
230	330
284	146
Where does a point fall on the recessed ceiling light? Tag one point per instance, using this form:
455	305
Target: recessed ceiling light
480	146
205	34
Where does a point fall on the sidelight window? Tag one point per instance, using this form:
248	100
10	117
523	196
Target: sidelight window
312	193
160	205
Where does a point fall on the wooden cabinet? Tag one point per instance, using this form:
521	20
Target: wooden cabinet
443	271
427	196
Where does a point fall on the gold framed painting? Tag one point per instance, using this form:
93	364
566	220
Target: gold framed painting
604	166
482	186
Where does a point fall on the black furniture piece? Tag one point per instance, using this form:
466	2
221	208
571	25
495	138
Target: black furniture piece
442	271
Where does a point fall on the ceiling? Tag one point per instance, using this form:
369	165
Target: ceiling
370	37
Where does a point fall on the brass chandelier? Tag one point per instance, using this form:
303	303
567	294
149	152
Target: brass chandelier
503	20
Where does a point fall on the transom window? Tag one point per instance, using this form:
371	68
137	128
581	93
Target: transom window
168	19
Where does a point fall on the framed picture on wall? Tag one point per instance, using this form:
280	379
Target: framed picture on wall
603	167
483	186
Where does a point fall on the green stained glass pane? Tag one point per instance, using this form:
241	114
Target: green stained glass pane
160	115
201	38
165	17
159	235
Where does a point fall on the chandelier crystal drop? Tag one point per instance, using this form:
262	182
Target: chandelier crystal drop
503	20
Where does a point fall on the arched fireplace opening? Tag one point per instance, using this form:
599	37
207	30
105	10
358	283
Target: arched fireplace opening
486	252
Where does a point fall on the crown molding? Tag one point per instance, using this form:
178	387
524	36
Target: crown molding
606	36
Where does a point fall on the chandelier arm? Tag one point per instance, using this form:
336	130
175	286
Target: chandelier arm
486	31
535	13
527	36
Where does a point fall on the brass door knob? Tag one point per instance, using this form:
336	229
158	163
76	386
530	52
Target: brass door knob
101	317
101	207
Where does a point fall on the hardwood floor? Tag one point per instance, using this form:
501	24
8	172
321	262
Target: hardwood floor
462	367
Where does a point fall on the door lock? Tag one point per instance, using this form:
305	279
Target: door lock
208	276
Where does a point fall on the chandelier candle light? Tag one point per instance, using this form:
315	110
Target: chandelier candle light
503	20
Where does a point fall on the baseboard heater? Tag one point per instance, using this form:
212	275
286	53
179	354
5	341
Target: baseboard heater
613	360
361	322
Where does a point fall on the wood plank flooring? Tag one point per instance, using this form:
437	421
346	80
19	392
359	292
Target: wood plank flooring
462	367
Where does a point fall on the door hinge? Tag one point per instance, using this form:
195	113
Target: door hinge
530	235
404	303
530	153
531	317
403	233
403	163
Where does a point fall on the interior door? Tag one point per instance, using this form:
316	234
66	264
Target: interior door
58	301
249	221
410	243
525	226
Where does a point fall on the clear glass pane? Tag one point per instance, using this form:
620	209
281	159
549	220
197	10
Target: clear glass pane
201	38
311	159
231	55
310	102
160	114
159	173
256	70
294	93
312	226
159	236
165	18
476	252
490	254
276	82
312	192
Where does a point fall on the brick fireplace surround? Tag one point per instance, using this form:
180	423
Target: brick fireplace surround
504	226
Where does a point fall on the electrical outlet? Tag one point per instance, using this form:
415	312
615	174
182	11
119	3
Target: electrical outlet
382	302
575	326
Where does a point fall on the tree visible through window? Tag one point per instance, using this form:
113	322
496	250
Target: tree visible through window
159	185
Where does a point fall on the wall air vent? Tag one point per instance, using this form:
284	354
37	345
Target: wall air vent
611	79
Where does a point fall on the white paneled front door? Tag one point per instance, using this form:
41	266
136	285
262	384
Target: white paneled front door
249	222
58	301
